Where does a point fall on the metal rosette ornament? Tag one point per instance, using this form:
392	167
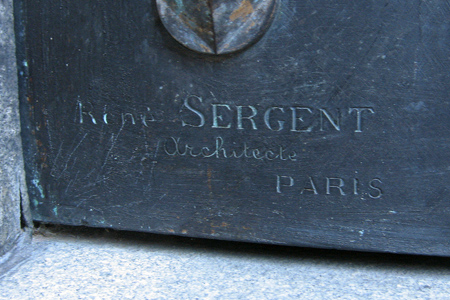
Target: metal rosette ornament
217	26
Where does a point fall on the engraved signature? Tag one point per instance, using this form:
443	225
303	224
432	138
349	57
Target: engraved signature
175	147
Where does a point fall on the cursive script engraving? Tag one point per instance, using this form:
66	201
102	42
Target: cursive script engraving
175	147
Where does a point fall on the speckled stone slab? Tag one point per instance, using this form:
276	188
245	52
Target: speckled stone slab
12	180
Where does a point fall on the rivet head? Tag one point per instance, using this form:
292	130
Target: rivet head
216	26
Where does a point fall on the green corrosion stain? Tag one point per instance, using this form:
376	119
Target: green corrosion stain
35	182
180	6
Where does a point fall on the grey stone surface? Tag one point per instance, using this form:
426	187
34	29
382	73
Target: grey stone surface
12	183
74	265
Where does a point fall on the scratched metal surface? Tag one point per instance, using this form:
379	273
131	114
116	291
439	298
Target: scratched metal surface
338	125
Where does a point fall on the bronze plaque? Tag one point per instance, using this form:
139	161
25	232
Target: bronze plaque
329	129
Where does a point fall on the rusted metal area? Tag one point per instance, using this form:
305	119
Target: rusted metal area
216	26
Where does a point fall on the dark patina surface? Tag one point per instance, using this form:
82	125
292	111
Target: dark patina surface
330	131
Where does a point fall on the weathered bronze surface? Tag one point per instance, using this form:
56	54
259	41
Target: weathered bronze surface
216	26
331	131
